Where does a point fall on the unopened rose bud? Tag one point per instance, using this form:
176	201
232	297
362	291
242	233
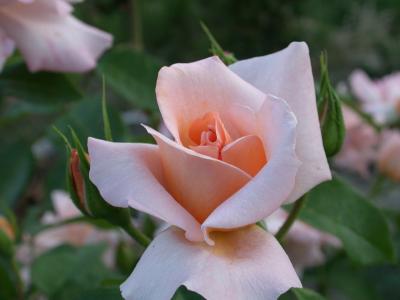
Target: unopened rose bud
330	113
7	237
86	196
6	227
389	155
77	180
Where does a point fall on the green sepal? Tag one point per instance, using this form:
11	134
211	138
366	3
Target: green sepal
216	49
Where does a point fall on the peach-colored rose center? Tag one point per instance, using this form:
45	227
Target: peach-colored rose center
209	135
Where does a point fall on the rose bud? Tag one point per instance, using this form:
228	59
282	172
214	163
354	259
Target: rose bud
330	113
7	237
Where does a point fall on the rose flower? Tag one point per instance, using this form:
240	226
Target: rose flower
246	140
48	36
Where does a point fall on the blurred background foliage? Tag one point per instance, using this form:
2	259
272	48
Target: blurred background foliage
147	35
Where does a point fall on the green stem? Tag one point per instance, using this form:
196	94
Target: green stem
294	213
137	235
60	224
136	25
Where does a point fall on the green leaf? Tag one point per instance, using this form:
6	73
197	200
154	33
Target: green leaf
335	207
41	88
106	293
85	118
132	75
9	281
66	266
16	168
301	294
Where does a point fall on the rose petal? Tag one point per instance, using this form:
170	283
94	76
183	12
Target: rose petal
246	153
244	264
288	75
186	92
6	48
274	182
131	175
50	38
199	183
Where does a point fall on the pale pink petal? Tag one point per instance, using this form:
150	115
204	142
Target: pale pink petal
198	182
247	153
51	39
370	95
302	243
274	182
63	205
287	74
132	175
364	88
186	92
359	147
6	48
244	264
389	155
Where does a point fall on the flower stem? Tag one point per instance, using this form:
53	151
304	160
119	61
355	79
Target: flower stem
136	25
137	235
294	213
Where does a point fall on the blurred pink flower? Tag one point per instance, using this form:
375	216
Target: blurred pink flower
303	243
76	234
389	155
48	36
246	139
359	147
380	98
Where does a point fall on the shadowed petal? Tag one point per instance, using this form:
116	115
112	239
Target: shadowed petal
274	182
244	264
287	74
246	153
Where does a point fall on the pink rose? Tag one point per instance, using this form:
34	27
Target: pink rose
389	155
302	243
380	98
48	36
246	140
360	145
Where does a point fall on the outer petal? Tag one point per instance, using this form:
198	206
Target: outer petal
51	39
132	175
303	243
244	264
186	92
274	182
288	75
6	48
199	183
